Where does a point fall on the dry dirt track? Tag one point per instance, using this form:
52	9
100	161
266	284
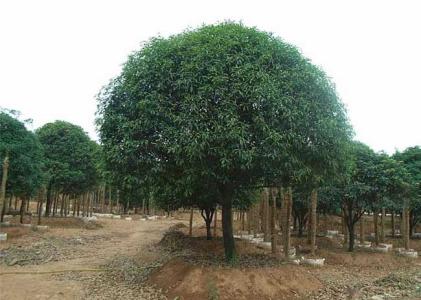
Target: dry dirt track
123	238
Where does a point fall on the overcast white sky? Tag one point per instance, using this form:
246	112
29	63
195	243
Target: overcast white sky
56	55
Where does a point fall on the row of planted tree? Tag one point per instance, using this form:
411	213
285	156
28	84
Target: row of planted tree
275	214
58	167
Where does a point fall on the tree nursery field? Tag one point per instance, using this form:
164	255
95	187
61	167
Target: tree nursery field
156	258
226	168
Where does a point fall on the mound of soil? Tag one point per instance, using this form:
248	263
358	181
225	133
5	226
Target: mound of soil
186	281
177	226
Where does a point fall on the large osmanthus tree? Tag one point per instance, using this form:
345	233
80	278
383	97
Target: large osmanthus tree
231	104
22	158
69	159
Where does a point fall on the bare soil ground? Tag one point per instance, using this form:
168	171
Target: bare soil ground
119	259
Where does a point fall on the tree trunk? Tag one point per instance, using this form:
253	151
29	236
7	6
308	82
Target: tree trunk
300	226
393	225
382	225
351	230
313	221
249	219
227	230
310	215
362	230
344	227
266	228
411	223
3	185
22	209
82	204
273	193
56	195
78	206
88	200
287	218
110	200
118	202
215	233
103	198
92	203
191	222
208	229
207	215
74	205
376	227
49	200
41	200
62	205
406	225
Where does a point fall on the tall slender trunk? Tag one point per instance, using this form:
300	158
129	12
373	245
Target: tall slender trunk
22	208
118	201
376	227
382	225
56	195
103	198
3	186
62	205
249	219
287	217
74	205
78	206
351	231
393	224
411	223
66	205
88	199
266	228
48	200
82	203
313	220
191	222
256	220
406	225
362	230
92	203
215	221
344	227
41	200
310	215
273	194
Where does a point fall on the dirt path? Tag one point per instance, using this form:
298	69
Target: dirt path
122	238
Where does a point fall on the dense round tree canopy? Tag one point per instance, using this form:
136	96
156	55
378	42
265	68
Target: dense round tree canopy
231	104
25	155
69	153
